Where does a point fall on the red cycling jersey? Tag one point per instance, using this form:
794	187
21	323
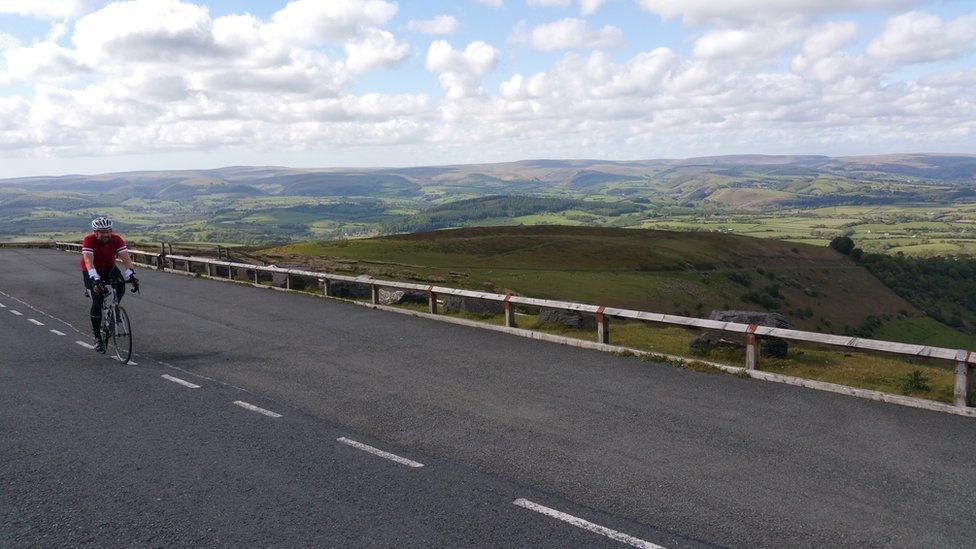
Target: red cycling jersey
104	252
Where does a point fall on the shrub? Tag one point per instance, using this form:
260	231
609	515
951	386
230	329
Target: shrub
742	279
915	382
842	244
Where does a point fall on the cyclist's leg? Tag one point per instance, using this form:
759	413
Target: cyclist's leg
116	275
96	307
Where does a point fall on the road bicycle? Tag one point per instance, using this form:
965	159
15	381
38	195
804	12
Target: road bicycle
115	321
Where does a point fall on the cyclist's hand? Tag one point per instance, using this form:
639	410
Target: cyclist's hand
135	284
97	287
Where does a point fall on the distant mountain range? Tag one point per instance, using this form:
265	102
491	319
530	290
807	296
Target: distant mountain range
526	175
267	203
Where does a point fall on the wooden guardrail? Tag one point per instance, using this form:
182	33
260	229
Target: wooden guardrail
964	361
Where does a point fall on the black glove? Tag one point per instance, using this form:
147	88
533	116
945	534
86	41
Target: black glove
135	284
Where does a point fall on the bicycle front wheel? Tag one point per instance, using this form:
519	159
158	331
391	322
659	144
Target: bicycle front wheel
122	336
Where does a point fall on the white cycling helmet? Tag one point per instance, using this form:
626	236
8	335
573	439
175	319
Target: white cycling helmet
101	224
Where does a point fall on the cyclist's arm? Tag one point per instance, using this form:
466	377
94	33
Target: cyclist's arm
89	260
126	259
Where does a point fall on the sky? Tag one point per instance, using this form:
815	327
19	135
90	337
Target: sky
91	86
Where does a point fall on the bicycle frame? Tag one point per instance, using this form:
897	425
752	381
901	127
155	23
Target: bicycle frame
115	320
108	311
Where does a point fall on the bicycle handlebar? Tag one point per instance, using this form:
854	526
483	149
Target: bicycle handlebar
134	281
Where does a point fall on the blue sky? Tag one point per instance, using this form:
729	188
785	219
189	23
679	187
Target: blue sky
154	84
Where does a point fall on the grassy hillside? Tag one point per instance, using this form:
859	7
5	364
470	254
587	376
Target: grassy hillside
677	272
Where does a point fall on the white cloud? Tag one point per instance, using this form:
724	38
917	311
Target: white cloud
589	7
460	72
744	44
494	4
821	58
586	7
695	12
442	24
43	62
7	41
376	49
564	34
917	37
163	75
829	38
550	3
170	77
315	21
44	9
143	30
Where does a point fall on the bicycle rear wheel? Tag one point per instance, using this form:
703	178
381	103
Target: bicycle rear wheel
122	335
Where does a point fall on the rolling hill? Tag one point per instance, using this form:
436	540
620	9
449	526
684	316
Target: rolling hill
252	205
676	272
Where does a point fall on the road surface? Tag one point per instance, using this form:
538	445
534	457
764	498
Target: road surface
507	429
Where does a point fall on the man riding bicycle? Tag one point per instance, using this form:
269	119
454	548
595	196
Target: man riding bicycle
98	251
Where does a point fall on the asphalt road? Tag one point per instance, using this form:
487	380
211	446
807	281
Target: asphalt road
94	453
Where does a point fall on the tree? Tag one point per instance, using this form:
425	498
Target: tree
842	244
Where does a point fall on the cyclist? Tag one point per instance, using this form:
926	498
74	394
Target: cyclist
98	251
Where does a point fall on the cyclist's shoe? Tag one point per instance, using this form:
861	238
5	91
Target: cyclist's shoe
99	345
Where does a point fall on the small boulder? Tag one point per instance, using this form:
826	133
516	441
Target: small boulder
768	346
298	283
460	304
569	319
341	288
396	297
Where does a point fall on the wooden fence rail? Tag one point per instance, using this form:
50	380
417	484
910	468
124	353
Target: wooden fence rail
963	361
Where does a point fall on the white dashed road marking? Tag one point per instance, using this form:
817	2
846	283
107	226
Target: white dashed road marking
254	408
35	322
182	382
381	453
586	525
2	306
18	313
55	332
85	345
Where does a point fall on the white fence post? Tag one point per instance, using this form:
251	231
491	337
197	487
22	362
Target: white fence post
509	311
326	290
431	300
602	327
374	294
964	379
752	348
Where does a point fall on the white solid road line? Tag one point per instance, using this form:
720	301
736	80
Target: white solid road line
85	345
35	322
254	408
55	332
586	525
18	313
182	382
381	453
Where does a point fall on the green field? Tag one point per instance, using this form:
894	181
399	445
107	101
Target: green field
917	204
675	272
